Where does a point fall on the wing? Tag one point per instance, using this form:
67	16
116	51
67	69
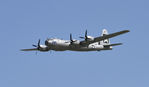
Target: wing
97	39
33	49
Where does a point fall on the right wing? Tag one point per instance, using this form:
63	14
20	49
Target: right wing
33	49
97	39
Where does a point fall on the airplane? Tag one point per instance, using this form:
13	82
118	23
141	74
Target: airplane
88	44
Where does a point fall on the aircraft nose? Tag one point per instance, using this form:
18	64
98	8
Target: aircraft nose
46	42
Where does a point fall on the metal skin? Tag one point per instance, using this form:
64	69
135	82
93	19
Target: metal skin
88	44
63	45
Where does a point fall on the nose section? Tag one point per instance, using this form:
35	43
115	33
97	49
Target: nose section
47	42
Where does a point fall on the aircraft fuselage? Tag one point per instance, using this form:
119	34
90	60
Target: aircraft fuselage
88	44
63	45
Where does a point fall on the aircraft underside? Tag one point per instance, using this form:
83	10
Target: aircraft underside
73	48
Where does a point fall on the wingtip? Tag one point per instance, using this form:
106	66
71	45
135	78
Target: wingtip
22	49
127	30
120	43
33	49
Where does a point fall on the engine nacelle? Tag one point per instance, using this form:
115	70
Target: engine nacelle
90	38
44	48
76	42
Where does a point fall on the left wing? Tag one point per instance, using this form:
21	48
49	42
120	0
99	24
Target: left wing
97	39
33	49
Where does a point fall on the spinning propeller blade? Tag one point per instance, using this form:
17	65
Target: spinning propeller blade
71	40
71	37
86	33
85	37
39	43
34	45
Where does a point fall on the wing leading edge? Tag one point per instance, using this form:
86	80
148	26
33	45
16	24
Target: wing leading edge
33	49
97	39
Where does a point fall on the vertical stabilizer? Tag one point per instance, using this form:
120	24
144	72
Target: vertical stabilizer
106	41
104	32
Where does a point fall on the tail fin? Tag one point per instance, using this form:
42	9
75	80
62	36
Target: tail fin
106	41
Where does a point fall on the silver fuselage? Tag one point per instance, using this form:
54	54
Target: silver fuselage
63	45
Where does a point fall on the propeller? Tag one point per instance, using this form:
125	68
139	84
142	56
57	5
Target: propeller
38	45
85	37
71	40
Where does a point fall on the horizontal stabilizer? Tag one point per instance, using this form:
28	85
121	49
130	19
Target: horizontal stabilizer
114	44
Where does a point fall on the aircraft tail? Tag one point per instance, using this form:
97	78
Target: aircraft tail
105	41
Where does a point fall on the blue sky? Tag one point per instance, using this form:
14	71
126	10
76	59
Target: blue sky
23	22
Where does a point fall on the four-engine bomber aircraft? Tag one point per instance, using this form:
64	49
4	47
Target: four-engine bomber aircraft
88	44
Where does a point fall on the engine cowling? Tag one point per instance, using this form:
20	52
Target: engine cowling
90	38
75	42
43	48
